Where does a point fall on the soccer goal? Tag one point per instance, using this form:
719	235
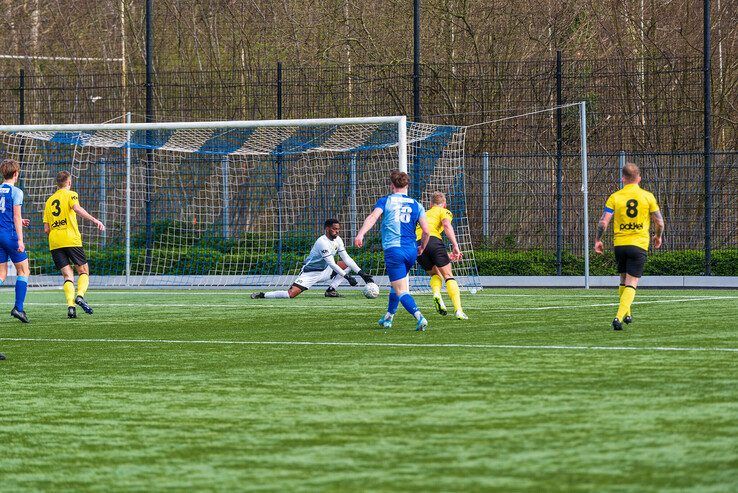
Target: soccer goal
234	203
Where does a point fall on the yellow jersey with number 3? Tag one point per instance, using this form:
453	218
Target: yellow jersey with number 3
435	216
631	208
62	220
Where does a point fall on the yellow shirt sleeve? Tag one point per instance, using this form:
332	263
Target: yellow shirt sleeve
447	215
610	204
46	214
73	199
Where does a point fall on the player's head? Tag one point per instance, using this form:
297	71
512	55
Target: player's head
631	174
400	180
332	228
439	199
63	179
10	169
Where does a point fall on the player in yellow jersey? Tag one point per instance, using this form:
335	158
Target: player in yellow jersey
634	209
435	259
65	241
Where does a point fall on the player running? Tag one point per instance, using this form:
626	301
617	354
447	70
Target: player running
11	235
634	209
65	241
320	265
436	260
401	215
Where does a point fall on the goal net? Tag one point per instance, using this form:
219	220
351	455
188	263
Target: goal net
231	203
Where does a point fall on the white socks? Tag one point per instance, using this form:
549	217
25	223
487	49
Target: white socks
277	294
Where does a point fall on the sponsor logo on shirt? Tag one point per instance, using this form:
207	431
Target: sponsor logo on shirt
59	224
631	226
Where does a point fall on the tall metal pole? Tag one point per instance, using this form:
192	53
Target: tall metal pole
417	116
149	118
22	97
485	195
585	186
279	175
708	136
559	169
621	165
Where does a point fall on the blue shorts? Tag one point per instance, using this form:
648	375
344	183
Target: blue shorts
9	249
399	261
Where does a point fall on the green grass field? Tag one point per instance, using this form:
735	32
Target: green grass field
175	390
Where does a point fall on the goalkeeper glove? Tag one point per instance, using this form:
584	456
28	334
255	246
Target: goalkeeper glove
366	277
351	279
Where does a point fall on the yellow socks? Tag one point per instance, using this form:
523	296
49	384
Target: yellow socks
626	298
621	288
82	284
436	283
69	292
452	287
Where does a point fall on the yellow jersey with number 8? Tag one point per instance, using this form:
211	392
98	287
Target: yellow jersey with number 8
62	220
631	208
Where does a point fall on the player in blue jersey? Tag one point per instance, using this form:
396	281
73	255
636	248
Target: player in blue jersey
11	235
401	215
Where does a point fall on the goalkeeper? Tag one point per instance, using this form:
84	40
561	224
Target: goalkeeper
320	265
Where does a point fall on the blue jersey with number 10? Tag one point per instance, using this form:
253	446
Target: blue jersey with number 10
400	214
9	196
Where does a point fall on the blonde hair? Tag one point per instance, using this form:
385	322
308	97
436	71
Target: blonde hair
61	178
8	168
438	198
631	171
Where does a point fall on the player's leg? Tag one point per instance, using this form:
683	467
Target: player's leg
336	281
436	283
304	281
634	263
69	292
20	260
452	288
21	287
628	317
401	285
83	282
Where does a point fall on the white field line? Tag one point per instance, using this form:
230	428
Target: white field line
562	293
366	344
287	304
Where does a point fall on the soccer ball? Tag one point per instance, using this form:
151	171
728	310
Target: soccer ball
371	290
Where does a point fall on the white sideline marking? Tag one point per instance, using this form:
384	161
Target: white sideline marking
370	344
286	304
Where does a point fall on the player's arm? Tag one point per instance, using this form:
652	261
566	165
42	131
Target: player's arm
601	228
425	235
658	228
18	223
80	210
369	223
448	228
354	266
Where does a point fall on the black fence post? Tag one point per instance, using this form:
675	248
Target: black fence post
417	116
559	170
708	137
280	266
22	97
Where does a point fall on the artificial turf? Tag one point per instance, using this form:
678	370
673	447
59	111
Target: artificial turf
207	390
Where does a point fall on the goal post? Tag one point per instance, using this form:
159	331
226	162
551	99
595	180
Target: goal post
231	202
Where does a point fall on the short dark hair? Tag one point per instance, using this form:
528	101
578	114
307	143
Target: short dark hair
330	222
61	178
399	179
631	171
8	168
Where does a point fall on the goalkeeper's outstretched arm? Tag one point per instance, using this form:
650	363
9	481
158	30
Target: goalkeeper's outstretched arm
354	266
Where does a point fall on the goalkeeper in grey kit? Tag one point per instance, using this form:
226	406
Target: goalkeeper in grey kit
320	265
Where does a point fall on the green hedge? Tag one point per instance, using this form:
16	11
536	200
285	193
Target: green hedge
214	260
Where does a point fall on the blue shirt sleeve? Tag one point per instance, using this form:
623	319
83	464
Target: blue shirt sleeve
17	195
381	203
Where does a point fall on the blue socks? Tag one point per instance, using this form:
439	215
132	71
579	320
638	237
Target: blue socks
21	286
394	302
409	303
